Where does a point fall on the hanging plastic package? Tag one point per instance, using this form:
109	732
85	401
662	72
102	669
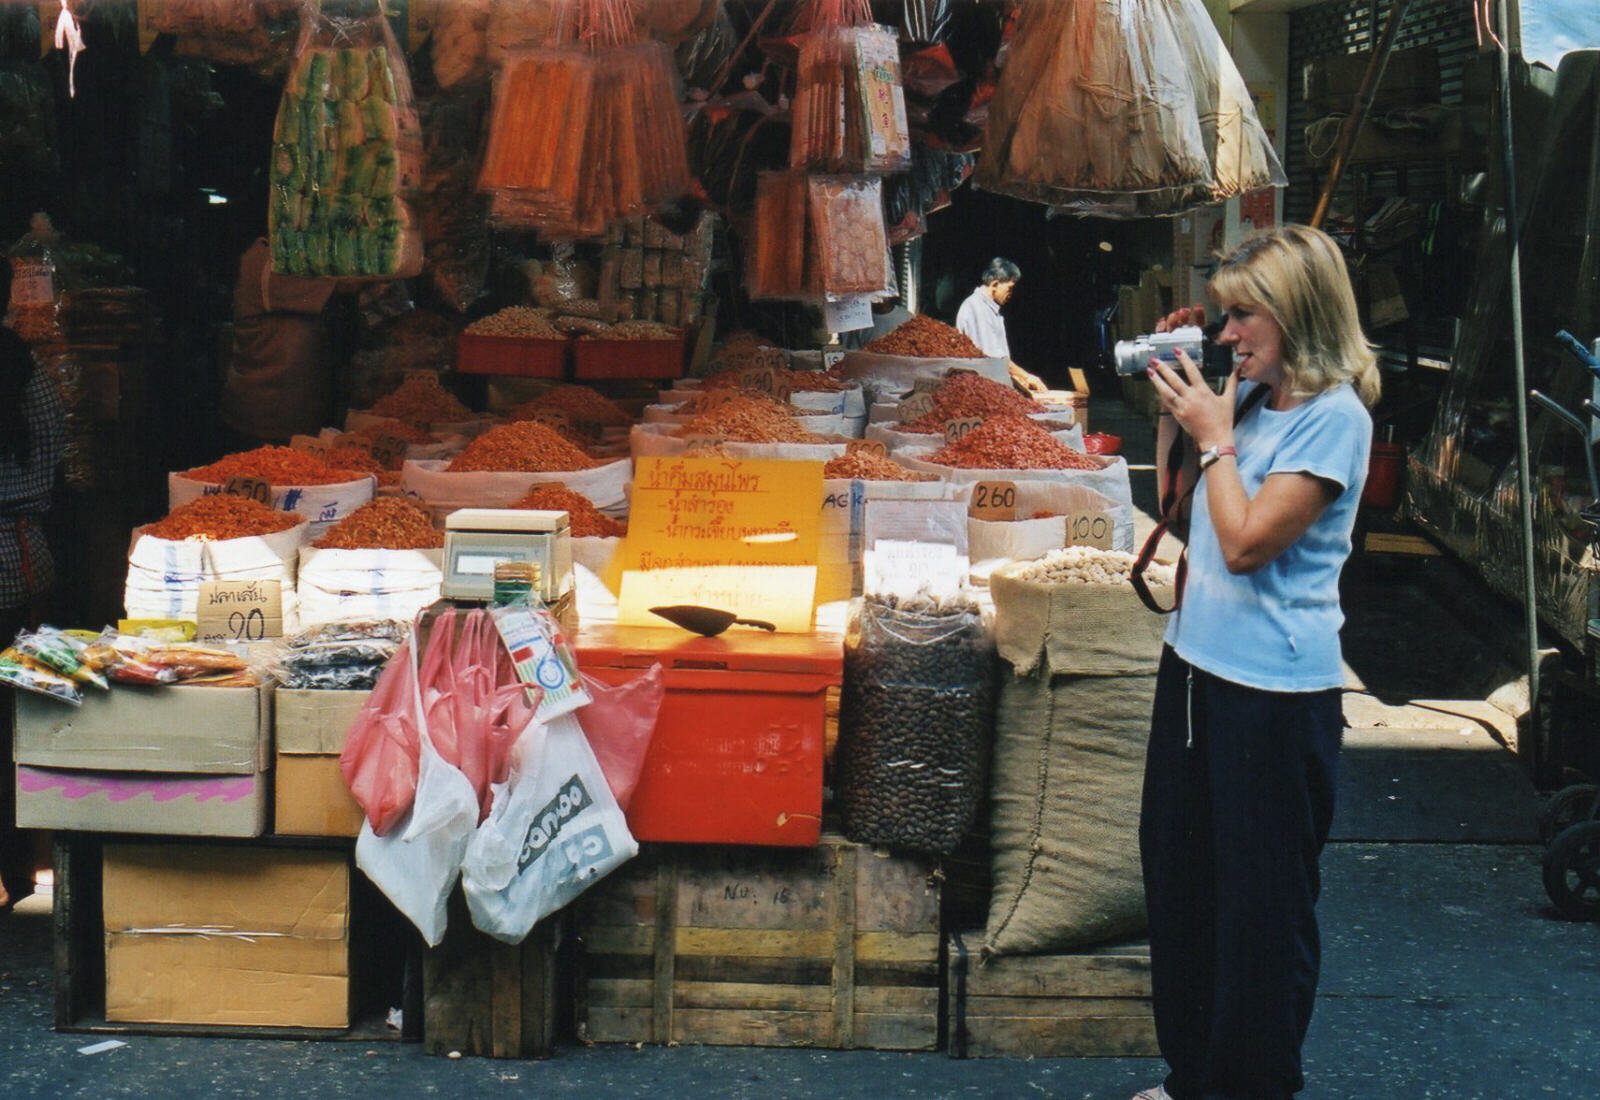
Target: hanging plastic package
1122	108
346	154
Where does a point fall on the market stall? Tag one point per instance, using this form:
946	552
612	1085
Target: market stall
598	643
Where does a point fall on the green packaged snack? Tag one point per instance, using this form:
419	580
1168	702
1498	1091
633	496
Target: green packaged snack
352	73
316	75
351	132
369	245
344	260
385	173
379	120
316	251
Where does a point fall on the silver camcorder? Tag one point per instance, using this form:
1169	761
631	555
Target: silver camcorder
1133	356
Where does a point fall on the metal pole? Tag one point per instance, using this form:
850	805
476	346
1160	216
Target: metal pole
1351	128
1519	365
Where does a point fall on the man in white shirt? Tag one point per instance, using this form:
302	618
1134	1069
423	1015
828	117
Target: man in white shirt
980	321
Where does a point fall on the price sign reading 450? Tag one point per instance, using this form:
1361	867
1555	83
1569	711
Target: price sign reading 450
994	501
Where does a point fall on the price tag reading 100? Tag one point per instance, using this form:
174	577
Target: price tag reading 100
994	501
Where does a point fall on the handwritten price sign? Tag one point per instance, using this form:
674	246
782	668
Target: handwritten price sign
239	611
959	427
1090	529
254	488
915	406
866	446
995	501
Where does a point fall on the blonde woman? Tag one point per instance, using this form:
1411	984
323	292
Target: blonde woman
1244	741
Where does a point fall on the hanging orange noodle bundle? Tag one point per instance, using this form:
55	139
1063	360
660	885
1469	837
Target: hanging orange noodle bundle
849	103
585	129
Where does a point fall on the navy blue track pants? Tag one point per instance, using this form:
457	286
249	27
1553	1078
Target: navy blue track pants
1238	799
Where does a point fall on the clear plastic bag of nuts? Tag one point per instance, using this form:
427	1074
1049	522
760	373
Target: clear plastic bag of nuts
916	719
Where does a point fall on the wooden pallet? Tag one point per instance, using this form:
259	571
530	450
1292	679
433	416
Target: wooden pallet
833	946
1049	1006
493	999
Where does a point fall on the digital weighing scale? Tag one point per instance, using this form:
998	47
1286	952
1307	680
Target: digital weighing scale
476	538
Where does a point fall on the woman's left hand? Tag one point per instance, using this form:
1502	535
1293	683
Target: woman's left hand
1206	416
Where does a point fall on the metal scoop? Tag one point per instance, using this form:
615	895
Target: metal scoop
705	620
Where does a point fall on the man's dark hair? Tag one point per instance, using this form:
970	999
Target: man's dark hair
1001	270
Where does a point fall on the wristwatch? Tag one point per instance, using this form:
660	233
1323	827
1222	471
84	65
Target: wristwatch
1210	456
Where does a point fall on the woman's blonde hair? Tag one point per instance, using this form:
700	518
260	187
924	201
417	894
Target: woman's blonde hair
1297	275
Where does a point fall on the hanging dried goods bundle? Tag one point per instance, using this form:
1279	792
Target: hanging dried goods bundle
866	466
924	338
1117	107
525	446
849	105
346	149
586	519
1011	443
276	466
385	523
852	243
420	399
585	132
776	263
219	517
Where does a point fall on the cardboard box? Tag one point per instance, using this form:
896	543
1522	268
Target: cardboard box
314	721
310	798
209	730
227	935
141	802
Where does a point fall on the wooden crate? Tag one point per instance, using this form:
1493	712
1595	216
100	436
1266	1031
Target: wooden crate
834	946
1092	1004
497	1000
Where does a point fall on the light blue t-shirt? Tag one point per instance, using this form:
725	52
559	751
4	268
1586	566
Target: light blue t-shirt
1278	628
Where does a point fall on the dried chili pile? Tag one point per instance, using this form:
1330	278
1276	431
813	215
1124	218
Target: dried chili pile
868	466
422	400
750	419
966	394
276	466
587	520
576	401
924	338
386	523
1011	443
524	446
220	517
400	429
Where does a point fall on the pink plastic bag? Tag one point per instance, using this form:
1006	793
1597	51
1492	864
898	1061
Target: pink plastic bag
475	704
379	761
619	725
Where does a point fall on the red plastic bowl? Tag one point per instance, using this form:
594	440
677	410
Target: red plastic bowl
1100	443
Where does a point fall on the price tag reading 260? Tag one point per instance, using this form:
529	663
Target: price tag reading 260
994	501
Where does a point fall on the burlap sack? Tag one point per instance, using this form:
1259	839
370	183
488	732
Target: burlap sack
1070	733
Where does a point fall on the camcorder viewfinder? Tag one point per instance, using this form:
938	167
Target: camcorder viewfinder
1215	360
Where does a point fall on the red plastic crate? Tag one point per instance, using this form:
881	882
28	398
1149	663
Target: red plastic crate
598	357
523	356
738	749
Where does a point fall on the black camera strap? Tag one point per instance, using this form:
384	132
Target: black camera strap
1172	503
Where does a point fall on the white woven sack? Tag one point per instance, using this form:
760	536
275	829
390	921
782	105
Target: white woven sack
442	492
321	505
1111	480
164	575
896	374
348	585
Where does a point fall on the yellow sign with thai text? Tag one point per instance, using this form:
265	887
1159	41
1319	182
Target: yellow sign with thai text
737	535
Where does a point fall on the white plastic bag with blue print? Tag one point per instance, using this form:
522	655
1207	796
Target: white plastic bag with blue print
554	830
